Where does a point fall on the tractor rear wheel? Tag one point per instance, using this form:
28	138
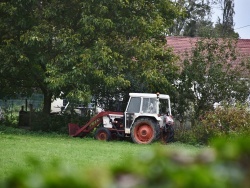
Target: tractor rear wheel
145	131
102	134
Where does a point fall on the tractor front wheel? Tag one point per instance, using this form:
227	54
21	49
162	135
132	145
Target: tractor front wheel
102	134
145	131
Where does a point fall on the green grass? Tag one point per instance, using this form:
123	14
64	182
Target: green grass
17	146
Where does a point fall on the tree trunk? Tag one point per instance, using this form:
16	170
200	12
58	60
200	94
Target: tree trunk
47	102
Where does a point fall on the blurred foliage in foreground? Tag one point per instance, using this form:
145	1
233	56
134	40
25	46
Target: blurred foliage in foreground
225	164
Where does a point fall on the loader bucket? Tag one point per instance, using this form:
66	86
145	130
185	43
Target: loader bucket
73	128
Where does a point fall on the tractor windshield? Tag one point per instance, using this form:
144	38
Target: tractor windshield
149	105
143	105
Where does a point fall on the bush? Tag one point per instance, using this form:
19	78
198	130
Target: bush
38	121
10	120
54	122
195	135
227	120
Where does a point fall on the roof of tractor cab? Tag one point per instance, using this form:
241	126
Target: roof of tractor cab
149	95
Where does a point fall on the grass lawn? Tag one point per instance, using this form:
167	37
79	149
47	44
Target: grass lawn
17	147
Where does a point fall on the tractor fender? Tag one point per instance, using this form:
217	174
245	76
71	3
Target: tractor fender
138	116
154	117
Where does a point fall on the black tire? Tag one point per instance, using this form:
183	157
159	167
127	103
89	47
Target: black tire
102	134
145	131
168	136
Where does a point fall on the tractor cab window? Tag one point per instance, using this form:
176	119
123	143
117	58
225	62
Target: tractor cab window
134	105
149	105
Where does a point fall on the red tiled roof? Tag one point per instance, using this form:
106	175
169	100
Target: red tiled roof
183	44
244	47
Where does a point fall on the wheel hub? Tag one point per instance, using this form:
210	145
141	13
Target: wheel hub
102	136
144	133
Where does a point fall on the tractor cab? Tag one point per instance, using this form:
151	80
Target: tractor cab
146	105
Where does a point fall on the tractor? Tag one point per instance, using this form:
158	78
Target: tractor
147	118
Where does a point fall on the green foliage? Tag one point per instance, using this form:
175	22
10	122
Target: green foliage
85	54
225	28
194	18
10	130
39	121
220	30
227	120
209	76
9	117
53	175
195	135
10	120
226	164
54	122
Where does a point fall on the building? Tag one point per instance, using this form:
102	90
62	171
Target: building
181	45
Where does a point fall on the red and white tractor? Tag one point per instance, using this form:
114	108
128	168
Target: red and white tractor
147	118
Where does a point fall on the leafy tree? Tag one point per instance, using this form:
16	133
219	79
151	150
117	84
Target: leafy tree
226	26
195	17
83	48
228	13
124	50
34	34
213	72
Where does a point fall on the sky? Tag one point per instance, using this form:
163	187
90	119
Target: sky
241	17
